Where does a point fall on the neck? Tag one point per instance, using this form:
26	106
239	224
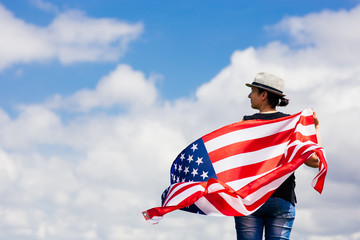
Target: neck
267	109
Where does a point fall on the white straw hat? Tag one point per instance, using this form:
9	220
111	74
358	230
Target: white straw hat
269	83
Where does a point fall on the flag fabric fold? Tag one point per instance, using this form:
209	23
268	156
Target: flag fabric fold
232	171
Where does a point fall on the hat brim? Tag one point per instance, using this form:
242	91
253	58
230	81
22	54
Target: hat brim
267	89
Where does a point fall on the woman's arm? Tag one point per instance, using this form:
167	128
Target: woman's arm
313	161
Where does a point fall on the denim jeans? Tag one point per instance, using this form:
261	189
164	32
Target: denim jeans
276	216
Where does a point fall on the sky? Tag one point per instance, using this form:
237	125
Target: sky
97	98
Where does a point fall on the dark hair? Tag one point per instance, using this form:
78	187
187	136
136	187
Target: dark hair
274	99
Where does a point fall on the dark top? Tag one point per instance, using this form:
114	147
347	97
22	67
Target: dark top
287	189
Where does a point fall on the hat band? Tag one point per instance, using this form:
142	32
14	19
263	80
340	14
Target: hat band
265	86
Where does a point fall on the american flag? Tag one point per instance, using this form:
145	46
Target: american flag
235	169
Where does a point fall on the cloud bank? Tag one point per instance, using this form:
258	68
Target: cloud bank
84	166
71	37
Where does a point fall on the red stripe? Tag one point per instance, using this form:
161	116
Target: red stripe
243	125
259	202
250	145
320	181
160	211
229	210
221	205
296	161
176	192
306	120
249	170
303	138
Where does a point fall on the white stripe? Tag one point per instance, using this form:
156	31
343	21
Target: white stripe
240	183
248	158
298	145
252	198
215	187
204	205
174	189
316	179
236	203
250	134
185	194
322	166
306	130
307	112
322	171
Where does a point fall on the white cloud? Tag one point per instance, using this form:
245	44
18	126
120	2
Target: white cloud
70	37
122	87
17	133
8	171
45	6
331	33
89	174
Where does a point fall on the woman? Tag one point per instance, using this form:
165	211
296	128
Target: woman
278	213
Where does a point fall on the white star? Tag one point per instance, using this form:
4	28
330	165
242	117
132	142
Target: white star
182	157
194	147
178	179
190	158
199	160
204	175
175	166
183	180
194	172
186	170
180	168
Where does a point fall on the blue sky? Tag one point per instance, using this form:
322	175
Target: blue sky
186	42
98	97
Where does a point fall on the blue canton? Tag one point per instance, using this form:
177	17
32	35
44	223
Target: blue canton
192	165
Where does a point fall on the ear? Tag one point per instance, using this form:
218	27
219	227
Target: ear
264	95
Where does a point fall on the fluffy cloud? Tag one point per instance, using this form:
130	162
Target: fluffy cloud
88	173
331	33
70	37
45	127
122	87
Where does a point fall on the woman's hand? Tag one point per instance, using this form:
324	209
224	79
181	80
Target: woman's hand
316	120
313	161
